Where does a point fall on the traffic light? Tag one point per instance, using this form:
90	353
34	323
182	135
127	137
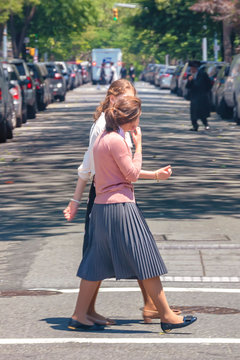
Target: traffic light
115	14
30	51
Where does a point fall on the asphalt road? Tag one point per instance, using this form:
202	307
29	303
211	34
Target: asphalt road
194	217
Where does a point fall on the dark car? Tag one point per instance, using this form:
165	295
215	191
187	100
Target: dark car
29	87
175	77
57	81
7	110
212	69
16	90
40	75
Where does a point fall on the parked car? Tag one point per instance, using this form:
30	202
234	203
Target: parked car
64	69
7	111
86	71
182	80
16	91
76	76
42	82
159	70
174	79
218	87
57	81
212	68
28	85
153	71
149	72
230	103
166	76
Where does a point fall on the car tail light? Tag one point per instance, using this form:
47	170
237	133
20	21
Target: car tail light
165	75
94	63
0	94
14	93
57	76
73	75
38	84
29	85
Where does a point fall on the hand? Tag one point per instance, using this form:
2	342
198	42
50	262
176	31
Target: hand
190	78
163	173
137	136
70	211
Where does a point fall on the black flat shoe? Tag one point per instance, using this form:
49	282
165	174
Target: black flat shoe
187	320
77	326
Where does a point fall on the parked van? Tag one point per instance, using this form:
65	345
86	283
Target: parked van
106	56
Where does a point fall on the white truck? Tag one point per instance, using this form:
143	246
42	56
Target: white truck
106	56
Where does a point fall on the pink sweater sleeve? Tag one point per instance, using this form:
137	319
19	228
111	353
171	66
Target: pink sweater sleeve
130	168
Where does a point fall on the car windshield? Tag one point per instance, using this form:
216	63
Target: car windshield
12	75
170	71
20	68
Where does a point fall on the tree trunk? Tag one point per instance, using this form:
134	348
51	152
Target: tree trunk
227	45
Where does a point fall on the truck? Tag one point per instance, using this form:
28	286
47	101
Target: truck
106	56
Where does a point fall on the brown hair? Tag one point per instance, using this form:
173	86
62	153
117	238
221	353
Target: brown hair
125	110
117	88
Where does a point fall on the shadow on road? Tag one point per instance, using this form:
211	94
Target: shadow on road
39	167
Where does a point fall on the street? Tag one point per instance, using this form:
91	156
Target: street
194	217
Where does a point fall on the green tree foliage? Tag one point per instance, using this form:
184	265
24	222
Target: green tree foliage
228	13
174	27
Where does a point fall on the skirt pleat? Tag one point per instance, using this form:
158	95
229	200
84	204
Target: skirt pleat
121	245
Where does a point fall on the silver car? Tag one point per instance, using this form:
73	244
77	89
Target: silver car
166	77
15	90
57	81
231	91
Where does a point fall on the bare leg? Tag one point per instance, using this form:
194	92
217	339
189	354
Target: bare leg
154	288
86	292
93	315
148	303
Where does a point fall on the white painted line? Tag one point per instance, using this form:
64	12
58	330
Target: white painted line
32	341
137	289
201	278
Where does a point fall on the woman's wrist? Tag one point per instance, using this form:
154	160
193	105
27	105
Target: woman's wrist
156	175
75	201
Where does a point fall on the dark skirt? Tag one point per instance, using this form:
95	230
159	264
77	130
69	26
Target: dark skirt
120	245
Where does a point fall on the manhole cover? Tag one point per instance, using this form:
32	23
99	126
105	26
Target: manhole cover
10	293
207	310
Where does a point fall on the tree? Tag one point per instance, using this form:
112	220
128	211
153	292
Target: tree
227	11
176	30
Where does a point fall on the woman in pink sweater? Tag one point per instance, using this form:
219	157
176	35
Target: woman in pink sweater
121	244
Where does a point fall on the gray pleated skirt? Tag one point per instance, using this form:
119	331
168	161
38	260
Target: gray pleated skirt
121	245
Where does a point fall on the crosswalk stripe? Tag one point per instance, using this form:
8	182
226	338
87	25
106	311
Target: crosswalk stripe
127	340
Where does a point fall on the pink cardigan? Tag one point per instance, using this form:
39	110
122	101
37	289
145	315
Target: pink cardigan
115	169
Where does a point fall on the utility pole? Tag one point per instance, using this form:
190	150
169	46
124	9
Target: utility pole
5	53
204	46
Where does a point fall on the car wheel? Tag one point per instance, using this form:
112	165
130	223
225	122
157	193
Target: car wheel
31	112
19	122
225	111
62	98
9	131
235	113
41	106
3	132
